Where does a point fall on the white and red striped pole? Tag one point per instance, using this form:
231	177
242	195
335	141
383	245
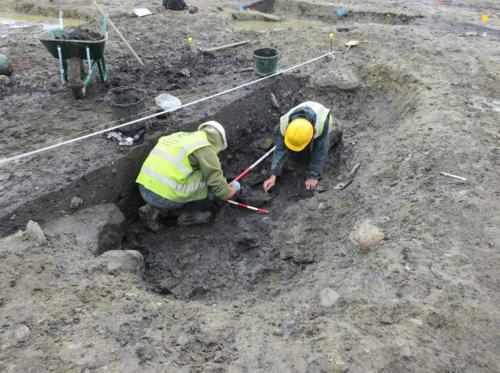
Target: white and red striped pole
245	173
257	210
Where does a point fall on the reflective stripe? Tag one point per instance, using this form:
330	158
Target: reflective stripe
168	172
177	162
187	149
172	183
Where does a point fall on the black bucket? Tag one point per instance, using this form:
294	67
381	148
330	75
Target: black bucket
127	104
266	60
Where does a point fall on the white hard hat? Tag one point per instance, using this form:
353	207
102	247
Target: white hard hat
218	127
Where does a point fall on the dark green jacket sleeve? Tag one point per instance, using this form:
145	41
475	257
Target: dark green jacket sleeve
207	161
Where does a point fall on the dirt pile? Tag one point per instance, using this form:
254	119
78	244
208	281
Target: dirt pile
81	34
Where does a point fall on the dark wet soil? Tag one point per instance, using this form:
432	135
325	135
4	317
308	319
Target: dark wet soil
80	33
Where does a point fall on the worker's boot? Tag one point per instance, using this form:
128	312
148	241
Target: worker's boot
150	218
194	217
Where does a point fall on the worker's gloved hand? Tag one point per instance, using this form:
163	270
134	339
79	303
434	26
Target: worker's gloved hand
236	184
242	194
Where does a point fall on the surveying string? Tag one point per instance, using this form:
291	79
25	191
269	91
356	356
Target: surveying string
154	115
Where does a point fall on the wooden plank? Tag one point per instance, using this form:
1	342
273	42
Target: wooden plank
226	46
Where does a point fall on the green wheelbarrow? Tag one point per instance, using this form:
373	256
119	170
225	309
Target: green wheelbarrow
72	54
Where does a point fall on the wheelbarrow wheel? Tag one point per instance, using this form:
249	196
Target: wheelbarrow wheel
75	73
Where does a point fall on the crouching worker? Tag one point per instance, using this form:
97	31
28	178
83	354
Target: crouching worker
182	174
306	130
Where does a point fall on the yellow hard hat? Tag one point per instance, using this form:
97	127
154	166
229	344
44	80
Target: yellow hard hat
299	134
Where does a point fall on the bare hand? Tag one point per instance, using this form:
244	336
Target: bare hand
311	183
269	183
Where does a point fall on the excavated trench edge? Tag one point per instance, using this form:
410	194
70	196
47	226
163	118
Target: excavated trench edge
111	177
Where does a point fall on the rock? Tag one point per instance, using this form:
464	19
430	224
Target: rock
278	332
365	235
5	65
289	326
186	73
119	261
322	206
258	198
303	258
166	285
248	242
274	101
4	80
34	232
266	144
193	10
328	297
100	228
22	333
338	77
75	203
319	365
183	340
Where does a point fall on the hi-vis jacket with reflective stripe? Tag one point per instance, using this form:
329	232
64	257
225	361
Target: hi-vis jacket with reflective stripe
319	110
167	171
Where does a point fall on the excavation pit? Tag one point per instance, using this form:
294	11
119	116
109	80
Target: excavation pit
242	253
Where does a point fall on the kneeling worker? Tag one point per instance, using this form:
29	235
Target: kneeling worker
306	129
180	175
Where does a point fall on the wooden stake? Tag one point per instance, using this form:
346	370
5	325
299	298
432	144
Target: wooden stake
226	46
118	32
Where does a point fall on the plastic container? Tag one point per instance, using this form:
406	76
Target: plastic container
167	102
127	104
266	60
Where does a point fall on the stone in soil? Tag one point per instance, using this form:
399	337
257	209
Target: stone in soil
303	258
365	235
337	77
328	297
100	228
319	365
248	242
35	233
4	80
22	333
123	261
266	144
75	203
257	198
274	101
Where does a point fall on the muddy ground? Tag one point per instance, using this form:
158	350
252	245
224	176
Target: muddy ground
291	291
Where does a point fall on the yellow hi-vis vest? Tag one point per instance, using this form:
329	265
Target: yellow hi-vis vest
321	115
167	171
